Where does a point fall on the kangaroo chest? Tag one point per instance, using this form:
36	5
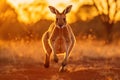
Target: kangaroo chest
61	34
61	37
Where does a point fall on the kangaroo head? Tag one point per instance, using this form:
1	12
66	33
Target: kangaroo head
60	17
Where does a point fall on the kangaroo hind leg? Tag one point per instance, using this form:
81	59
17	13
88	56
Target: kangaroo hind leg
47	49
69	46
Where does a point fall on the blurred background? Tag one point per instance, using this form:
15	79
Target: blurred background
95	23
89	19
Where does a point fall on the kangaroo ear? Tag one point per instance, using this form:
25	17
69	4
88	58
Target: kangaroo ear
67	10
53	10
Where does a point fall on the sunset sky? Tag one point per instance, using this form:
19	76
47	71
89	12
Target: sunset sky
30	11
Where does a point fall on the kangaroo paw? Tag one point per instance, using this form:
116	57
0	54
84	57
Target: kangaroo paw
56	60
46	65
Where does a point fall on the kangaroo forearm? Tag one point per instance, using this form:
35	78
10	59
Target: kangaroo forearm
70	47
51	42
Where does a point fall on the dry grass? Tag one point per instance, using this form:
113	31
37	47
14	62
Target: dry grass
25	60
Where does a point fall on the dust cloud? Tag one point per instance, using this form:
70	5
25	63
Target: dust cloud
32	51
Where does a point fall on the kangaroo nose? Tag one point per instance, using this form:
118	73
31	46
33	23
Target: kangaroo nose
60	25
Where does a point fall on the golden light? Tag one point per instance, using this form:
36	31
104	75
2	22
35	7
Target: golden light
60	4
56	2
33	10
30	11
16	3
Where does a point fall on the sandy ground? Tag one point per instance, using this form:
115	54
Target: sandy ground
75	72
23	62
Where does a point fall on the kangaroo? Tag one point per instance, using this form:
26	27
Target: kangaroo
59	38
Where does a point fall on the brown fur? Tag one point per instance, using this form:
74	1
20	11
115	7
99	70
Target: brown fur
59	38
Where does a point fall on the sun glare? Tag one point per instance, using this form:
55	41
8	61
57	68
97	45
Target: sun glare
54	2
30	11
16	3
60	4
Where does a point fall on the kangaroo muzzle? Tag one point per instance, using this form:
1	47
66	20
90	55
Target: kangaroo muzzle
60	26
